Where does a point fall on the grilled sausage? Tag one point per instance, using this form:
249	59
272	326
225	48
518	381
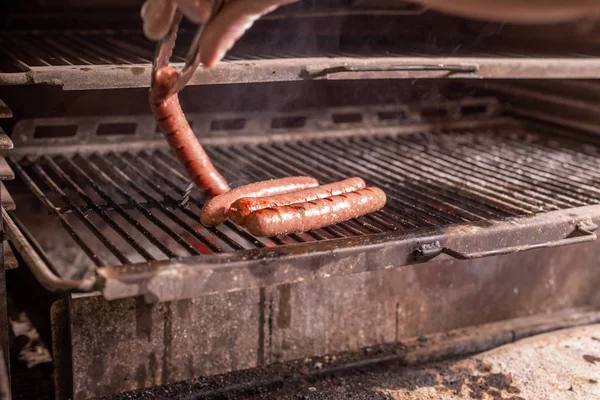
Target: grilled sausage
316	214
180	136
215	211
243	207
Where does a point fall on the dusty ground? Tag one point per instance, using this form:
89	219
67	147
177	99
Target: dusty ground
555	366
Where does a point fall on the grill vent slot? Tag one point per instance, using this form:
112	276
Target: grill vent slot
392	115
472	110
127	128
349	118
232	124
54	131
433	112
288	122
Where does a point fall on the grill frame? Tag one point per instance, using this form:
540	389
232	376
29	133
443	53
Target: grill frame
191	276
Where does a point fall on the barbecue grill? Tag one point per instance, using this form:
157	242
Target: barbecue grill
483	136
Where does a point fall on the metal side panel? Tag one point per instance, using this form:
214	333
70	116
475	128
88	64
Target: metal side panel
130	344
127	344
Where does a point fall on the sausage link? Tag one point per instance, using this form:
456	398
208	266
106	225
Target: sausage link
316	214
243	207
215	211
179	134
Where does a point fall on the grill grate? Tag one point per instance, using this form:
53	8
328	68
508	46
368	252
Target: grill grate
125	207
96	48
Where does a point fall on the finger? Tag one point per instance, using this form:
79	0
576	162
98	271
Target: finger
157	16
196	11
230	24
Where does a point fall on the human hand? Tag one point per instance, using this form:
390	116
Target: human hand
236	17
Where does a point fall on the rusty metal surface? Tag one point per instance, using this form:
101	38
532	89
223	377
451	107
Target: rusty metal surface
130	76
386	371
346	313
165	281
164	342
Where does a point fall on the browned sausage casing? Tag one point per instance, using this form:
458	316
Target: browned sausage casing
215	211
316	214
180	136
241	208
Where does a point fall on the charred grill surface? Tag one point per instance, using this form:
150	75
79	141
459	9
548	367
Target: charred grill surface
125	207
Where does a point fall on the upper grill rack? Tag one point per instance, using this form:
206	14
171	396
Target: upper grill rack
125	207
46	49
122	58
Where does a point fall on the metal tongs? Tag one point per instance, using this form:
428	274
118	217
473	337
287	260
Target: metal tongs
164	48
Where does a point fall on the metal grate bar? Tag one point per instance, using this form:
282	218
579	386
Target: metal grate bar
491	172
438	206
84	218
71	184
547	190
560	183
230	242
120	210
137	54
52	209
532	152
157	189
160	159
151	217
24	55
521	192
394	162
79	47
67	54
60	54
108	166
475	182
444	200
324	155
